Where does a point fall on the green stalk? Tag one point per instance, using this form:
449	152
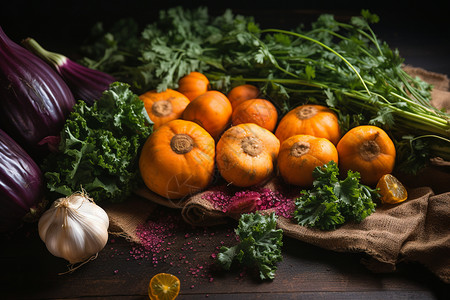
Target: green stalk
423	118
417	120
431	111
371	37
322	45
54	59
282	81
427	123
330	32
347	39
273	60
374	40
303	91
422	107
406	79
301	61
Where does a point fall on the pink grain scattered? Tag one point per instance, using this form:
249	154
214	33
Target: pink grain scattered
266	199
154	233
166	239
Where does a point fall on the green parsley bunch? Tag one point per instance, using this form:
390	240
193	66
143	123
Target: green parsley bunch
259	245
332	201
341	65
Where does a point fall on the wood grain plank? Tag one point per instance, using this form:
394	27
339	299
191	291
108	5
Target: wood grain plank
305	271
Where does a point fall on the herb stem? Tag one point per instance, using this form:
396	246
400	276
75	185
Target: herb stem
374	40
371	36
284	81
427	123
322	45
416	120
420	106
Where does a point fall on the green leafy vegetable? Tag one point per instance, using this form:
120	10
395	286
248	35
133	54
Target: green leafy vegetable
159	55
99	147
332	201
259	245
341	65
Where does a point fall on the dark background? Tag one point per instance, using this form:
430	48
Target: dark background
419	29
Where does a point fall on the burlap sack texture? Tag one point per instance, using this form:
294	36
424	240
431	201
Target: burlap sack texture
417	230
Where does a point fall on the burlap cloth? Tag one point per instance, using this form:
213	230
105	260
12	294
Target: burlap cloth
417	230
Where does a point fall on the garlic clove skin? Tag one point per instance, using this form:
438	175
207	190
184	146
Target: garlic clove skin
74	228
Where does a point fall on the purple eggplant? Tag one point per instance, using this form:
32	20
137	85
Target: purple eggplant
21	185
34	99
85	83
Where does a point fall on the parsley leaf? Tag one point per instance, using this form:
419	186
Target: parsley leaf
259	245
342	65
332	201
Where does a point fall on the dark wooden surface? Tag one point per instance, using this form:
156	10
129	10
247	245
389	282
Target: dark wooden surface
29	271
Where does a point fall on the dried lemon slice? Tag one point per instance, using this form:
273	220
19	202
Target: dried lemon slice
391	189
163	286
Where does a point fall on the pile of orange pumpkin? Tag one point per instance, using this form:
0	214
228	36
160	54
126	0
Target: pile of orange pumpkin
198	131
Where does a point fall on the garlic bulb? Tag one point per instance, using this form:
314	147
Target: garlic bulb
74	228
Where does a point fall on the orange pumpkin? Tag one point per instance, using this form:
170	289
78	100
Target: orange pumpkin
193	85
368	150
309	119
165	106
259	111
211	110
241	93
178	159
246	153
300	155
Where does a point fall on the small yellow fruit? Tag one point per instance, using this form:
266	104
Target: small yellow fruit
164	286
391	190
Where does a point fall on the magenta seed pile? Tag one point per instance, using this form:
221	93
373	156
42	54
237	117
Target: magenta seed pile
266	199
165	239
181	249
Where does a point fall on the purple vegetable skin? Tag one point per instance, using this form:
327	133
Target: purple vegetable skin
34	100
85	83
21	185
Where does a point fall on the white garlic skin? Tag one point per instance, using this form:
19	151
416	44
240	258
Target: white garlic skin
74	228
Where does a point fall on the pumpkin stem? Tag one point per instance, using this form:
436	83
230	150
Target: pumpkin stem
162	108
300	148
181	143
306	112
252	145
370	149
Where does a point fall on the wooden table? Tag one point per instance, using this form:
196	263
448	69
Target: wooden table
306	272
29	271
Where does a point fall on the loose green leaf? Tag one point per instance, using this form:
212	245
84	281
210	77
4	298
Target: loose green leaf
310	72
99	147
333	202
259	245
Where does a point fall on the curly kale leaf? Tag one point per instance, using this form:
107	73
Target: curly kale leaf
332	202
260	245
99	147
